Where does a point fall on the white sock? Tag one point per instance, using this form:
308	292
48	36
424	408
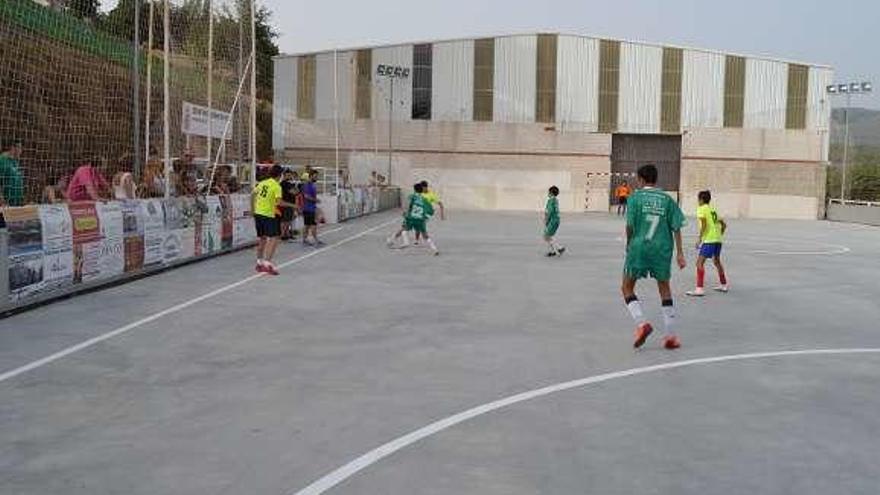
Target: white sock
635	310
552	247
405	237
669	317
260	261
431	243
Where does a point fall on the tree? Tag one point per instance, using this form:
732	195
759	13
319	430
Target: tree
84	9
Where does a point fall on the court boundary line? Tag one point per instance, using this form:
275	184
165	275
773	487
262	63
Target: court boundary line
375	455
8	375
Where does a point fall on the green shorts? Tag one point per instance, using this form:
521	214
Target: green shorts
420	226
551	228
657	267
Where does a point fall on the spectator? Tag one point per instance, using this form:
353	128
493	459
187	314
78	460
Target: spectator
56	190
88	183
310	209
11	178
221	180
306	175
187	175
288	206
123	186
153	185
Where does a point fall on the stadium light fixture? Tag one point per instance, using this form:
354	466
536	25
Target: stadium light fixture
848	89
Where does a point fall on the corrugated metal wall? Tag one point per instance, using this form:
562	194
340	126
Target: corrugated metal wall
515	85
284	101
702	89
577	81
766	89
400	56
641	68
453	81
755	95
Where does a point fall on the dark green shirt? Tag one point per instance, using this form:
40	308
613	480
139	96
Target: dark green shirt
12	181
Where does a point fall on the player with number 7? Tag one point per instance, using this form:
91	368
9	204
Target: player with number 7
653	220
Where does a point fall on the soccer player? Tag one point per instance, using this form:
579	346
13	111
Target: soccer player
621	193
434	199
415	218
266	198
712	230
551	222
653	219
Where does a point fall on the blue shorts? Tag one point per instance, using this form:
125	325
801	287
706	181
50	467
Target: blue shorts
710	250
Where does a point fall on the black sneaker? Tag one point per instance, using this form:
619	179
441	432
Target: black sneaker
561	250
551	254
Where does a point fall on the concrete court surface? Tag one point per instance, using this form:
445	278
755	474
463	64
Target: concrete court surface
273	384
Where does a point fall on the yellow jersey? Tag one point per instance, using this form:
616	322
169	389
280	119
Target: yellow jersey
713	233
267	194
431	197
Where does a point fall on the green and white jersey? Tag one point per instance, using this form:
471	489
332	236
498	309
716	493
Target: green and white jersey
653	217
419	208
551	209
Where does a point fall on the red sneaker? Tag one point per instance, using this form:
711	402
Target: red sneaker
271	270
260	268
642	333
671	342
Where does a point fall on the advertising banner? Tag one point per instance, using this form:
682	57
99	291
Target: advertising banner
26	271
111	261
153	216
57	246
133	234
86	241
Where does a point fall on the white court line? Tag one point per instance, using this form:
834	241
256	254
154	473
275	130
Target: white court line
173	309
343	473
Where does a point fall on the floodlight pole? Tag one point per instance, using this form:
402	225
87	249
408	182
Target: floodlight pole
845	147
390	129
136	90
166	117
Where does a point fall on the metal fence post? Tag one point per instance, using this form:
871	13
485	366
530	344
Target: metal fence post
4	270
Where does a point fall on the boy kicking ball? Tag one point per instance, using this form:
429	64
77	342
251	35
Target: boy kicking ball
712	230
653	219
415	218
551	222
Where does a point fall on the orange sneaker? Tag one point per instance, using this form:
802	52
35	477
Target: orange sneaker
671	342
642	333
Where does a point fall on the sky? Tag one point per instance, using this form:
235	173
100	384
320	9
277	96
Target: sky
841	33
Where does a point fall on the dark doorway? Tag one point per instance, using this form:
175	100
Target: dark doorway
630	151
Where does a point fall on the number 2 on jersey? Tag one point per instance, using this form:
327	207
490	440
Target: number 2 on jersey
654	220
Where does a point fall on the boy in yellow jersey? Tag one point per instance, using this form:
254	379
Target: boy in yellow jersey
431	197
712	229
266	200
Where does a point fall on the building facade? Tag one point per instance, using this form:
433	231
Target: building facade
493	122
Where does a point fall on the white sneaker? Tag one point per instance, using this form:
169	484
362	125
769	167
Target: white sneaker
722	288
698	292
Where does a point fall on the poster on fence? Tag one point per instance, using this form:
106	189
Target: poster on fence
153	218
111	261
243	227
179	229
86	241
209	227
133	235
25	251
57	246
227	222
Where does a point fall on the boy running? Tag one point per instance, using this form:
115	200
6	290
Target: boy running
712	229
434	199
266	198
415	217
653	219
551	222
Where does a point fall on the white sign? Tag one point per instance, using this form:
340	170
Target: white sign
197	121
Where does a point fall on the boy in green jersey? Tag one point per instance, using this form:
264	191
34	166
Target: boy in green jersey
551	222
653	220
415	217
712	230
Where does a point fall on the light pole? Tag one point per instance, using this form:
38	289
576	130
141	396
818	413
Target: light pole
391	73
848	89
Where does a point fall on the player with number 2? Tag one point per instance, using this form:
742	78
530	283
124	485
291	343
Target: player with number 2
653	220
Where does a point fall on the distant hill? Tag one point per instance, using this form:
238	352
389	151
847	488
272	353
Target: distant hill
864	126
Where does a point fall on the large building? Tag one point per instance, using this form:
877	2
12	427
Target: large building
495	121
